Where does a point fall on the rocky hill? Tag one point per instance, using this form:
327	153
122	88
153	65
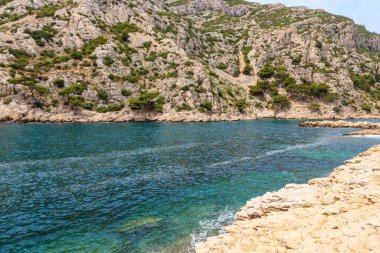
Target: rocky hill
175	60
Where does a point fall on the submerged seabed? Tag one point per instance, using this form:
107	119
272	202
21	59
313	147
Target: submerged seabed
148	187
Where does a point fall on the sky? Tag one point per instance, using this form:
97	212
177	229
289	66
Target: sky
364	12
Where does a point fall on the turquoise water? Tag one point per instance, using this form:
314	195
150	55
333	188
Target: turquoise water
148	187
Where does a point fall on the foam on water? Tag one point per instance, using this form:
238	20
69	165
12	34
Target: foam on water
209	227
93	158
270	153
372	136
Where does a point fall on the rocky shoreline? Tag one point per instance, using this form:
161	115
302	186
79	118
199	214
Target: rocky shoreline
23	114
338	213
364	132
340	124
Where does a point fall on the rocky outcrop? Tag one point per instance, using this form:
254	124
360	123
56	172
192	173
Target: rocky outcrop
340	124
21	113
197	6
365	132
338	213
365	40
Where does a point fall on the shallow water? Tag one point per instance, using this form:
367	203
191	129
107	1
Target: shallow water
148	187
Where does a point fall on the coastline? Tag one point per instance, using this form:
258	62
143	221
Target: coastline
338	213
24	115
371	132
340	124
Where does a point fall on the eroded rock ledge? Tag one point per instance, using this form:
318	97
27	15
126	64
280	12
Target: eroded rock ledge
365	132
339	213
340	124
22	113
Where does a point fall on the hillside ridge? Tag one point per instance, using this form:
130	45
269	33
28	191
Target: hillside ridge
182	60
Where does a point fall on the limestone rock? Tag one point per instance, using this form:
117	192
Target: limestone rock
334	214
203	57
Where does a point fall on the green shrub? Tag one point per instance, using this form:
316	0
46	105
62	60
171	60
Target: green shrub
61	59
59	83
377	77
280	102
256	91
38	104
297	60
230	92
289	80
76	55
143	71
131	78
247	70
189	63
147	45
221	66
163	54
189	74
4	2
110	108
281	76
87	105
199	89
184	107
31	83
148	101
266	72
108	61
102	94
47	11
246	50
314	107
331	97
205	107
185	88
91	45
236	73
363	82
366	107
41	89
303	91
173	74
7	101
47	34
48	54
19	53
80	102
19	63
151	57
122	30
273	91
241	104
261	87
347	102
264	84
24	80
74	89
126	93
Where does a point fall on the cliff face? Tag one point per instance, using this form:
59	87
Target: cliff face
194	7
334	214
171	60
